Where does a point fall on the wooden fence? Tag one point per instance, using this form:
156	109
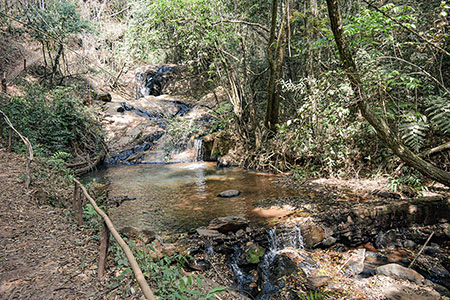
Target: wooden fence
108	228
77	206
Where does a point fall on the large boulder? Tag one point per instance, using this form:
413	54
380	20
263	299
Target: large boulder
403	292
399	272
227	224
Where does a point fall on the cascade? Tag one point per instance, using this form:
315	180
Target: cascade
279	242
198	150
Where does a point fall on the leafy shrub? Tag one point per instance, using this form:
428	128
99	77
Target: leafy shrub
166	274
55	121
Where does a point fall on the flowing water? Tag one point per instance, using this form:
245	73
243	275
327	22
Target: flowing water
281	244
182	197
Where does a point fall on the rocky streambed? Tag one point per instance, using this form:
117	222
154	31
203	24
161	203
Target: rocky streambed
303	253
264	241
337	249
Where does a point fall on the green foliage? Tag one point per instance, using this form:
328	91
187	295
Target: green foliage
166	274
54	21
322	139
186	30
54	121
439	111
317	295
414	128
222	117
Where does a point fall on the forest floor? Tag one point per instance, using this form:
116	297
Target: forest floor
43	254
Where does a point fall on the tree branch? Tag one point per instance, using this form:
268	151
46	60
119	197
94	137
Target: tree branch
407	28
420	68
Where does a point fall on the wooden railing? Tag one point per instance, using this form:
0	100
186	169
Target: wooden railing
108	228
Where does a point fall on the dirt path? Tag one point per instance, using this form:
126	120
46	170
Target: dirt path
42	253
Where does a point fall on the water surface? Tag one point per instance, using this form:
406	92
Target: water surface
181	197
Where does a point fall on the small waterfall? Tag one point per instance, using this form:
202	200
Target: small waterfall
198	150
289	237
287	240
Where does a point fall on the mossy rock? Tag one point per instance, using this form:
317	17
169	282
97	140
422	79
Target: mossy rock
254	253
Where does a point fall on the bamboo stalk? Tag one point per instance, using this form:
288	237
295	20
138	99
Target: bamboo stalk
133	263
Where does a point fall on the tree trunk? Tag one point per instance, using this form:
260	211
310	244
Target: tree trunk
275	55
380	125
57	58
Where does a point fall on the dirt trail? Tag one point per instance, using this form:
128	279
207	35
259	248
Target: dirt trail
42	253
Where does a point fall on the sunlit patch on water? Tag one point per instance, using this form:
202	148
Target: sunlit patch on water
181	197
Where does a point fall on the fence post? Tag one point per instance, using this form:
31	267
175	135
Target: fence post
3	84
77	204
104	245
80	208
75	195
1	132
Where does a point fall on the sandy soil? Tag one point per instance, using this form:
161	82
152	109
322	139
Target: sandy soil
43	255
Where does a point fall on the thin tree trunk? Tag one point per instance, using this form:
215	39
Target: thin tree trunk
275	54
57	58
380	125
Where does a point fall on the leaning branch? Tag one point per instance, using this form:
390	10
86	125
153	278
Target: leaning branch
29	150
133	263
408	28
436	149
420	68
251	24
380	125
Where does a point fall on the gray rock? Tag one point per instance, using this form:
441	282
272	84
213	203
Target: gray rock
105	97
283	266
229	194
227	224
441	289
447	230
199	265
399	272
356	262
316	282
313	234
208	233
402	292
409	244
144	235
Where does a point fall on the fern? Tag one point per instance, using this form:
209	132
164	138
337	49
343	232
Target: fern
317	295
414	127
439	111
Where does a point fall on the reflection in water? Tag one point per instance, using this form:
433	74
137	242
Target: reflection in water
182	197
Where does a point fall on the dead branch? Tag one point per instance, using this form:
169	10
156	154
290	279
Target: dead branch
133	263
420	252
29	151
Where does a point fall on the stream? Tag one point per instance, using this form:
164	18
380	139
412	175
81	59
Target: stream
175	198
